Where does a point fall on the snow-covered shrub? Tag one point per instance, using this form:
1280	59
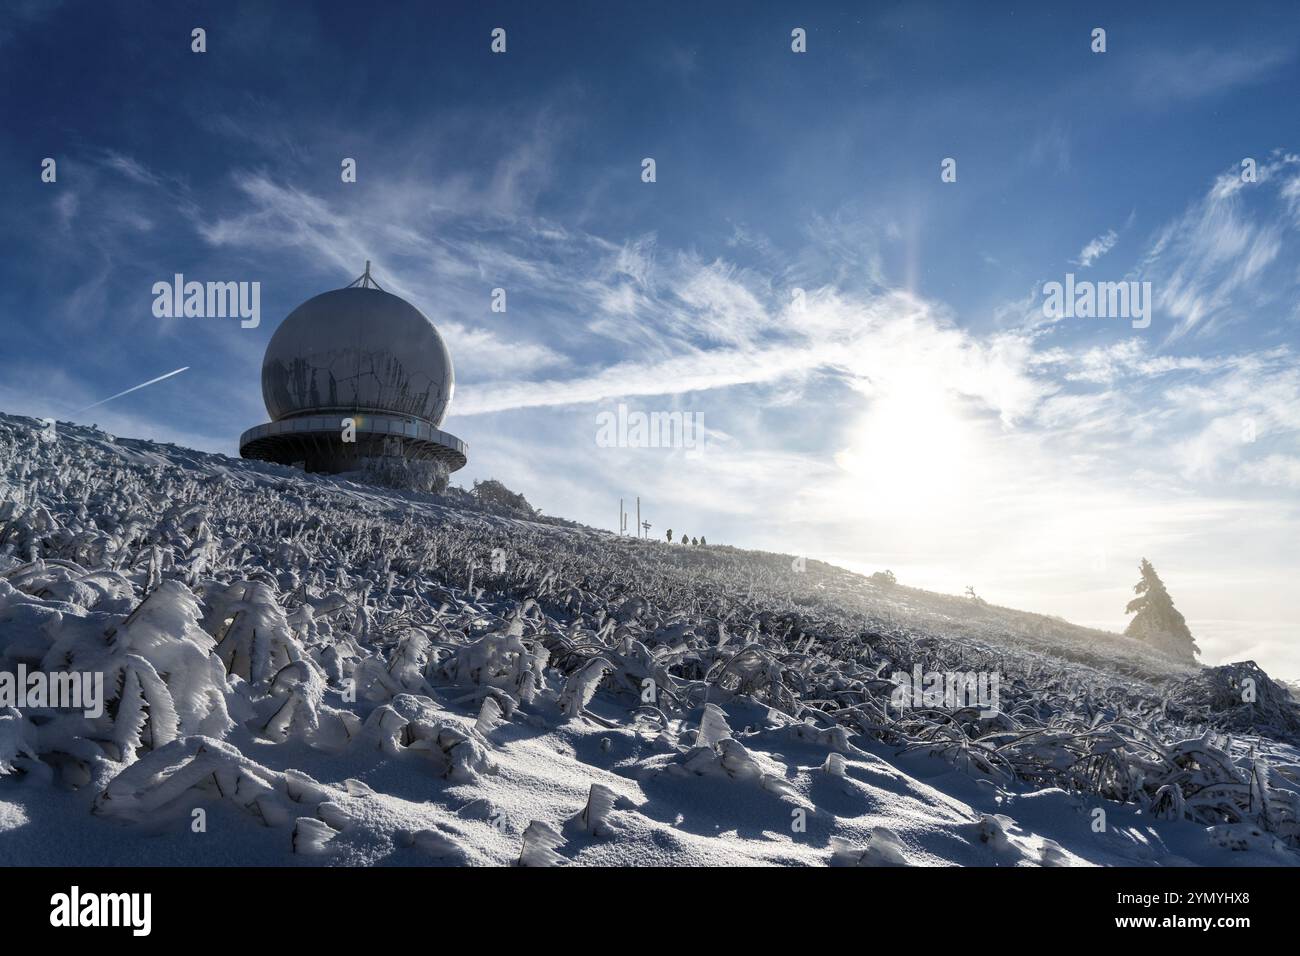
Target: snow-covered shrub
883	848
493	494
489	717
540	842
14	745
833	765
253	637
1238	697
294	701
501	659
383	730
311	837
1247	836
402	673
459	756
713	727
730	759
595	815
581	686
69	583
160	678
161	778
435	843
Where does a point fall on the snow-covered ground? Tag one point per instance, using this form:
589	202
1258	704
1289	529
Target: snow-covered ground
304	670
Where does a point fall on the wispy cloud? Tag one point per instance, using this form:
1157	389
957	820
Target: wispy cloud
1096	248
1210	267
1052	147
1162	76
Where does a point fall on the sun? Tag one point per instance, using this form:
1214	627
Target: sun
912	454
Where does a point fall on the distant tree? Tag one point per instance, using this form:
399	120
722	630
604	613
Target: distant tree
884	577
1158	623
686	539
695	540
670	535
494	494
702	541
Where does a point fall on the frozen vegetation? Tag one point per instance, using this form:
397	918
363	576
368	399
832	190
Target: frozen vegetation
307	670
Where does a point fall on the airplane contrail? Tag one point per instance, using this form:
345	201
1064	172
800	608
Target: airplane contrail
130	390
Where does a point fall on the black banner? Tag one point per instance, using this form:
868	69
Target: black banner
303	905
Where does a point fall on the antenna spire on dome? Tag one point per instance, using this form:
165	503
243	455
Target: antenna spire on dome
365	280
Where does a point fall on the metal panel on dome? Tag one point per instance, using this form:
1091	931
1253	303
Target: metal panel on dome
357	350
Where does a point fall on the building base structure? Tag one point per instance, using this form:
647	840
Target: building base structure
316	442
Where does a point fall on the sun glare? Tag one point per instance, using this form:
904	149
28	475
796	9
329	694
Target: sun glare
911	453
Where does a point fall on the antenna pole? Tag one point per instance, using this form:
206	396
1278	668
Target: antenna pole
365	280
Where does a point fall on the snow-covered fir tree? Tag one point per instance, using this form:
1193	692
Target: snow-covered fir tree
1158	622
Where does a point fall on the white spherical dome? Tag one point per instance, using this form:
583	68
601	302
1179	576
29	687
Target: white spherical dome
357	350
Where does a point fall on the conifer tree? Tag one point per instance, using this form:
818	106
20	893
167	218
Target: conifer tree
1158	623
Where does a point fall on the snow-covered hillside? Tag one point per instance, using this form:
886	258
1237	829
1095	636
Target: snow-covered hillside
303	670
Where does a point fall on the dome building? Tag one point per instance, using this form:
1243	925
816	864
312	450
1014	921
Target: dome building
353	376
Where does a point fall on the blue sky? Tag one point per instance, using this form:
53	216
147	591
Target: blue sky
920	413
